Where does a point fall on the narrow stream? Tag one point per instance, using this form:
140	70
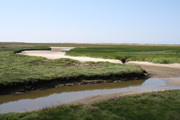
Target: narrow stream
46	98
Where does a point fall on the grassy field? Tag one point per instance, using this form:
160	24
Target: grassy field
25	72
156	54
152	106
152	53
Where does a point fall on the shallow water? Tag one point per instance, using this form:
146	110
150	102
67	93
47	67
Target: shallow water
46	98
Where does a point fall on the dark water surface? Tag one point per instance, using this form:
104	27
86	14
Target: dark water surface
46	98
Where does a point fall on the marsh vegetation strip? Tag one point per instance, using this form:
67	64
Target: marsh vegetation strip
47	98
155	54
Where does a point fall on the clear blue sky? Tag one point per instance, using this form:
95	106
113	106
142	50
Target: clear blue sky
90	21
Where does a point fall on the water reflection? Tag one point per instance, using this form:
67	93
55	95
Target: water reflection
44	93
47	98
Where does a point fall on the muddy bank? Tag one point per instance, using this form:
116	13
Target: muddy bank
18	88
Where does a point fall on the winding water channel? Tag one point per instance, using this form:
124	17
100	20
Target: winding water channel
51	97
39	99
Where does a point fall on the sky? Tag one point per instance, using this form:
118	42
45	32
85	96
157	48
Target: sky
90	21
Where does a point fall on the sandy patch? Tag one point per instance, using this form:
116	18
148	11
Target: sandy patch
58	52
175	65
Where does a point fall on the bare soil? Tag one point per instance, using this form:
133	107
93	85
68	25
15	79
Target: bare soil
159	70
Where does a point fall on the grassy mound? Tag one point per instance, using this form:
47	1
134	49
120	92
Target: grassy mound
153	106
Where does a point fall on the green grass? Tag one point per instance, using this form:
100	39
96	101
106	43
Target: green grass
152	106
27	71
155	54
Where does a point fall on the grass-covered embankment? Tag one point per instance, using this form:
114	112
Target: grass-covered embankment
21	73
152	106
156	54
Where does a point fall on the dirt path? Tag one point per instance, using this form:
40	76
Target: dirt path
159	70
168	72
